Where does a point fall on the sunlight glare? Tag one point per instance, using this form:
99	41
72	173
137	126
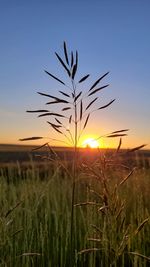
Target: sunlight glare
90	142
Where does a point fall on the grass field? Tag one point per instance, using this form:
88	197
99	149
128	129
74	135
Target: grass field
112	226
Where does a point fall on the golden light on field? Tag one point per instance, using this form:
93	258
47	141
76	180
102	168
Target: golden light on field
91	142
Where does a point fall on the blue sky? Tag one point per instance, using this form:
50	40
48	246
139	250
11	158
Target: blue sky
109	36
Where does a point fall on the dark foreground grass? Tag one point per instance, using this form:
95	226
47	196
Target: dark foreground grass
35	220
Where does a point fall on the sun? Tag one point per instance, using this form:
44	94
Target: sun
90	142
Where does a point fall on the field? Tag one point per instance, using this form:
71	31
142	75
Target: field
111	222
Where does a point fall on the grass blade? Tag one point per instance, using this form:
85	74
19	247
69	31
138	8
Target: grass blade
141	226
86	204
77	96
70	118
65	52
86	121
54	77
98	81
84	78
72	59
39	147
56	130
58	121
67	108
119	145
81	110
63	64
75	66
52	102
58	101
98	89
107	104
63	93
77	58
116	135
17	232
55	127
39	110
88	250
140	255
120	131
51	114
74	71
12	209
136	148
91	103
43	94
126	178
31	138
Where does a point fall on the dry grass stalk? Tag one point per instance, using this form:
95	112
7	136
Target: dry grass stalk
127	177
12	209
78	119
140	255
86	203
140	227
89	250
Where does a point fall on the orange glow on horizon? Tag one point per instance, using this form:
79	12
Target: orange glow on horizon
91	143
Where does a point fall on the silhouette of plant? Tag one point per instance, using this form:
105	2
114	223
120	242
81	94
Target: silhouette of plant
75	107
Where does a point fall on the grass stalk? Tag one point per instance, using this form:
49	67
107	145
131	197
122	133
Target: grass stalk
112	208
72	228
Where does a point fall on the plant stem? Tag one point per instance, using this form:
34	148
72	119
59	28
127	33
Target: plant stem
72	230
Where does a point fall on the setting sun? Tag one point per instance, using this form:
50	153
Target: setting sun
90	142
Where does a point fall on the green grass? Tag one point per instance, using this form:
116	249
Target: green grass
35	218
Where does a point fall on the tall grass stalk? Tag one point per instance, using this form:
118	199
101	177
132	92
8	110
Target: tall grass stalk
76	107
72	228
78	115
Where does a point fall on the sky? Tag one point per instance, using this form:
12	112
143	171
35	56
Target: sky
109	35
